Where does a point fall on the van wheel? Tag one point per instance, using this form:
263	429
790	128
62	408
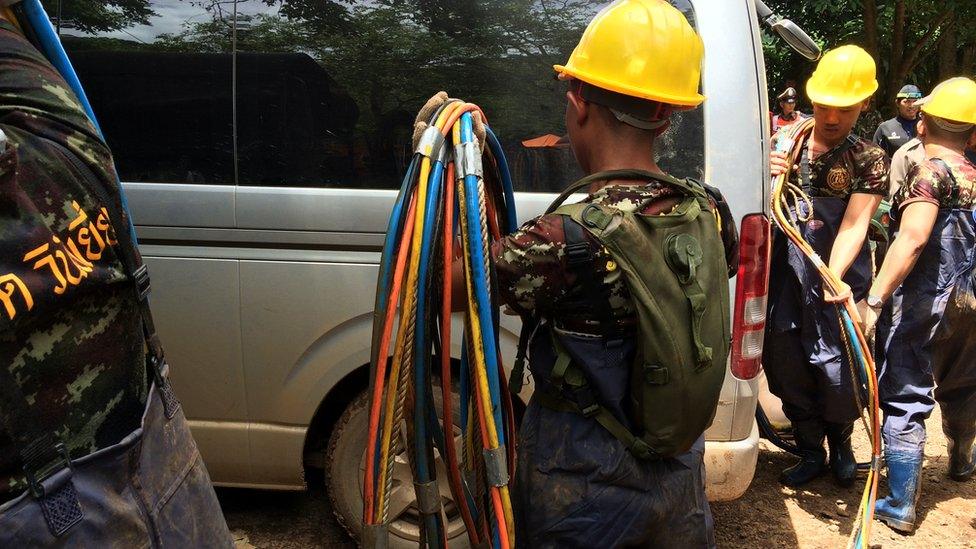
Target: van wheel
345	468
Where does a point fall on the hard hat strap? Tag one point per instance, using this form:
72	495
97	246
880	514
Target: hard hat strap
640	113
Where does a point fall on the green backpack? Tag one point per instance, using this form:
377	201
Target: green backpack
675	269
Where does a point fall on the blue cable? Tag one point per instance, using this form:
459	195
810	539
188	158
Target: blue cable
420	342
496	149
51	47
483	299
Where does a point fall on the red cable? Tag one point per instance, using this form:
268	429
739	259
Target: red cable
374	413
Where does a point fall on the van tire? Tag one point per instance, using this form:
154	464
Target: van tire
344	476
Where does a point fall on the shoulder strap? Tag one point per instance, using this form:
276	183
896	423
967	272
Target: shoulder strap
581	261
952	178
688	186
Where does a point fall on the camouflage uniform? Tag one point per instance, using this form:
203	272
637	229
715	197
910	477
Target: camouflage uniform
803	359
533	277
862	168
69	324
926	182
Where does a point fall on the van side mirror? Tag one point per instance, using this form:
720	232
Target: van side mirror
789	31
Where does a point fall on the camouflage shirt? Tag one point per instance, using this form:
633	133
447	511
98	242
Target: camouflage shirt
928	182
533	275
69	323
862	168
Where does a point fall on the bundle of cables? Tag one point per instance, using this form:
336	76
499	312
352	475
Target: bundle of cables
790	205
452	198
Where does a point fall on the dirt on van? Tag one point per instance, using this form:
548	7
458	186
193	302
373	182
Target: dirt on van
821	514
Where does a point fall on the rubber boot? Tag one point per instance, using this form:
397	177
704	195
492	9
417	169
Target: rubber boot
962	455
809	436
842	462
904	482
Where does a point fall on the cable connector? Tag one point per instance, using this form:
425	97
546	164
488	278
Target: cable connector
431	142
496	466
428	497
876	463
467	159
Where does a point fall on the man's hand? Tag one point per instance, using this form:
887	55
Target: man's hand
778	163
869	318
431	106
843	294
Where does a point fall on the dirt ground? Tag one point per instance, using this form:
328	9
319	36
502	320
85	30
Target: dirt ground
822	514
769	516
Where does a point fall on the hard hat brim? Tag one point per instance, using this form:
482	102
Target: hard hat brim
821	97
563	72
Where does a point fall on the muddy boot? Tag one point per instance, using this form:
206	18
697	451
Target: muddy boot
809	437
904	482
842	462
962	455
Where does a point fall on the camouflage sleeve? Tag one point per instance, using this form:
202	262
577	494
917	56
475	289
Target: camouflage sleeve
36	102
531	268
871	167
925	182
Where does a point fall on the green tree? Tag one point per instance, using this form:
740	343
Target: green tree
99	15
919	41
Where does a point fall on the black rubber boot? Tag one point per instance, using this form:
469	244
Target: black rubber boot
842	462
962	455
809	436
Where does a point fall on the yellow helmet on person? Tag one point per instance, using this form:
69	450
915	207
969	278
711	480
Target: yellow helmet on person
845	76
953	100
640	48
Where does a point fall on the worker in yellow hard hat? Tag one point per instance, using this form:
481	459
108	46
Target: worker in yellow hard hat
588	473
846	177
933	250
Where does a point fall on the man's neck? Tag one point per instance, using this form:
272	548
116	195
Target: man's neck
818	145
943	150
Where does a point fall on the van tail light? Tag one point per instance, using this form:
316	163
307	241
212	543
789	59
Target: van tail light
751	291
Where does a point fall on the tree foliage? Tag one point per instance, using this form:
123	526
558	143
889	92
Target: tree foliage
99	15
913	41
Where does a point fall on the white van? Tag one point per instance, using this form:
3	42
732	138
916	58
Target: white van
261	145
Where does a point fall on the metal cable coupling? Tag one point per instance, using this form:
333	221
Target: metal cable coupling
428	497
431	142
467	158
496	466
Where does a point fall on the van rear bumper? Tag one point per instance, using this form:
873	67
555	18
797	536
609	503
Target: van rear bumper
730	466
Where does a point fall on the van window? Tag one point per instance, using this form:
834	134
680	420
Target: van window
326	90
165	106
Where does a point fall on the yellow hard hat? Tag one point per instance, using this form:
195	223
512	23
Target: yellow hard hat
640	48
844	77
954	99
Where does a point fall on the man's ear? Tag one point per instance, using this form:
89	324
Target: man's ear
866	105
580	108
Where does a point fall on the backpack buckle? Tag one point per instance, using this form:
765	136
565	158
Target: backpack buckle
584	399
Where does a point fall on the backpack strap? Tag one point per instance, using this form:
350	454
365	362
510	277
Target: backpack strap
570	380
689	187
581	261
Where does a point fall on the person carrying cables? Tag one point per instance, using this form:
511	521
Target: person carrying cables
94	450
788	115
592	471
846	178
935	239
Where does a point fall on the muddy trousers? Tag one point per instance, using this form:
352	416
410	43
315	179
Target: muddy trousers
577	486
149	490
954	360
